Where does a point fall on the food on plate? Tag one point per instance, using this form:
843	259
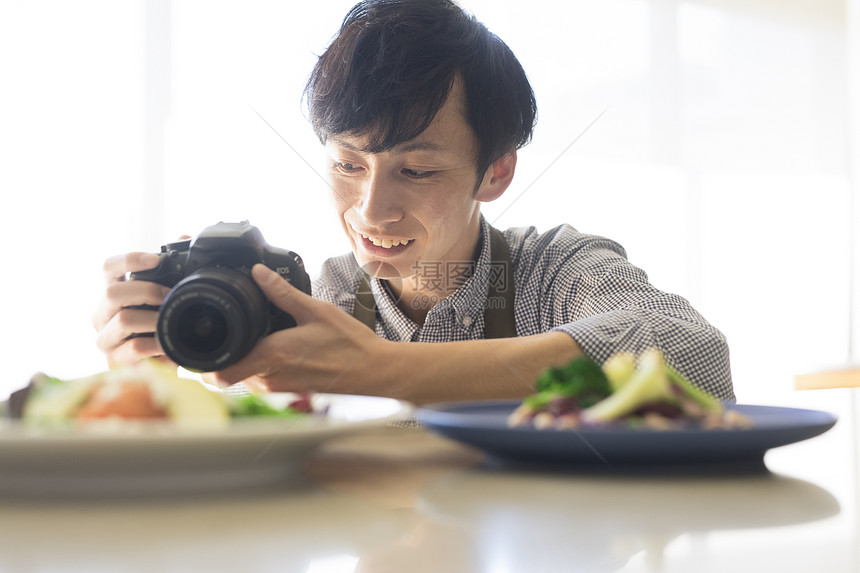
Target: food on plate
145	391
645	393
253	405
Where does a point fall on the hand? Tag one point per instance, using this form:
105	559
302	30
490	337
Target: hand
328	350
116	323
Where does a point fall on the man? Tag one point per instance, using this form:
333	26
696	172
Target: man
422	110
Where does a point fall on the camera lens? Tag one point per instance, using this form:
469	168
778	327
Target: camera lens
202	327
211	319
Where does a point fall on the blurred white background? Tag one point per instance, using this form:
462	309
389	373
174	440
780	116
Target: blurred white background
725	159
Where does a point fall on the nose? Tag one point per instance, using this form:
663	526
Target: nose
380	202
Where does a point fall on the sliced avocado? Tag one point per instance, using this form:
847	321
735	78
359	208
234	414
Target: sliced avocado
648	384
619	369
54	402
188	403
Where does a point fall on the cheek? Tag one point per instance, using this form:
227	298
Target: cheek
340	196
450	209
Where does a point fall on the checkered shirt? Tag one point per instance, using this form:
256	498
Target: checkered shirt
565	280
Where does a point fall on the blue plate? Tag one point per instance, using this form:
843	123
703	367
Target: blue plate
484	425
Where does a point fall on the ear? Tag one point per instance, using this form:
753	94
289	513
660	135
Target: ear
497	178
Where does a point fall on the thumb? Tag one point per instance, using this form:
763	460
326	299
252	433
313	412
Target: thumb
282	294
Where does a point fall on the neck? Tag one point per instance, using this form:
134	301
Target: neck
434	281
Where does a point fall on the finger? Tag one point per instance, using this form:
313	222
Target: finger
115	268
284	295
263	360
125	324
134	350
276	383
253	384
257	385
119	295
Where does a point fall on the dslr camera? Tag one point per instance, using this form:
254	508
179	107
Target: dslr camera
215	313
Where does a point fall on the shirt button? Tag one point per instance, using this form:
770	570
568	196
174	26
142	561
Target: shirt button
467	321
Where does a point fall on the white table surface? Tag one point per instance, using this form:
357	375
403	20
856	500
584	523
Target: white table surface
405	500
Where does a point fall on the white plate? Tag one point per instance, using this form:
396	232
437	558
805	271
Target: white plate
152	457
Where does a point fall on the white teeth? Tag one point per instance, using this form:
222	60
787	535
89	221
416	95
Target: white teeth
386	243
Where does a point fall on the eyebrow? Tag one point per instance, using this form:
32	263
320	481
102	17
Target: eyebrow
406	147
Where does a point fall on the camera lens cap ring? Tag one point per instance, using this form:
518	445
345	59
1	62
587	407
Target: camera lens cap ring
211	319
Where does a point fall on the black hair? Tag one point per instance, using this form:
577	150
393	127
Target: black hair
391	67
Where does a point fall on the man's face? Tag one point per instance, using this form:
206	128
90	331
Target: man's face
414	204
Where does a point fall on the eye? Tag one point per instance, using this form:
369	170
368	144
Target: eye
347	168
417	174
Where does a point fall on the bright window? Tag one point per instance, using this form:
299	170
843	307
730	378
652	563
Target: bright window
719	157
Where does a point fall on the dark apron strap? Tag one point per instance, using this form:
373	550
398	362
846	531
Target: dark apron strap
365	305
499	321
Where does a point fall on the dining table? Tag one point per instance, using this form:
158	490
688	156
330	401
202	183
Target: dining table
402	498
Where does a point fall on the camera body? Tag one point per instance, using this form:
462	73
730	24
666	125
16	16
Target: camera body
215	312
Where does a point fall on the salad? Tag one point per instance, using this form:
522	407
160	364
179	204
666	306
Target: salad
145	391
642	393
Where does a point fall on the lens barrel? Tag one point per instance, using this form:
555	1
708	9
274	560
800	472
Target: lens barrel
211	319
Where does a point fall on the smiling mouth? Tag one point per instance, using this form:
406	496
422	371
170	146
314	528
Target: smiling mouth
385	243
